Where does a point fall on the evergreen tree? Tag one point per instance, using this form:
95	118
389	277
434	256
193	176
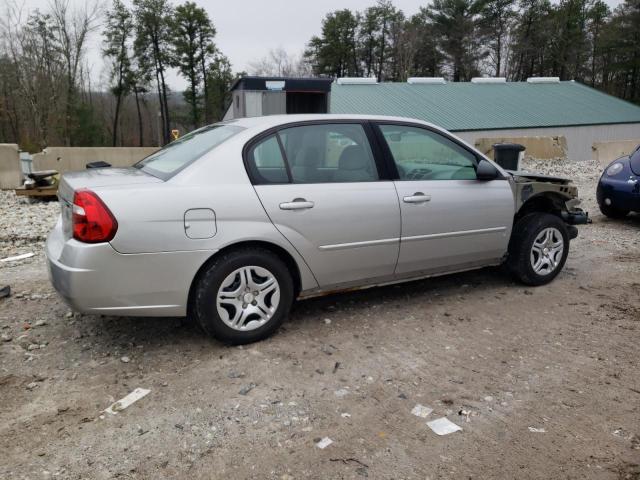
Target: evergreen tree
192	38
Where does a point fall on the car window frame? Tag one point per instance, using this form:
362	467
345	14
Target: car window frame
382	167
388	155
252	169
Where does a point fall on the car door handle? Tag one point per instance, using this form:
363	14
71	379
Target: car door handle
297	204
417	197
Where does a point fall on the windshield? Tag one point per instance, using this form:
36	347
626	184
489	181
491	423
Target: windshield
634	161
178	154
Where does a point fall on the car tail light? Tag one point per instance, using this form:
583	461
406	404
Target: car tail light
91	219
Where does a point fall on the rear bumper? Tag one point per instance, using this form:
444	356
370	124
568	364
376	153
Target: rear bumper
94	278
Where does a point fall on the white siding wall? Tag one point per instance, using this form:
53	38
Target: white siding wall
579	139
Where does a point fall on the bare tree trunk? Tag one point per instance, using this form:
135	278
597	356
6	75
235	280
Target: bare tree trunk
140	132
115	119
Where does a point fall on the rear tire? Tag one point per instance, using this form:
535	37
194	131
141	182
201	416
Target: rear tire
538	248
612	212
243	295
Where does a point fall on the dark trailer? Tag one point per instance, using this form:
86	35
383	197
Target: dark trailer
257	96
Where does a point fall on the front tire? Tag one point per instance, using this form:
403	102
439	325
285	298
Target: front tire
538	248
243	296
612	212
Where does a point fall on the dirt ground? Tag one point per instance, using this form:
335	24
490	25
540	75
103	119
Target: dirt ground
545	382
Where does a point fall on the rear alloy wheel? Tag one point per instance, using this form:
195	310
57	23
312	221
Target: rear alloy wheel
243	296
538	248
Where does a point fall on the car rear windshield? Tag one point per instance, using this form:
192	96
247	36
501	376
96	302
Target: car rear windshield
634	161
168	161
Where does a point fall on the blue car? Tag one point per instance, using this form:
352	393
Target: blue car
619	186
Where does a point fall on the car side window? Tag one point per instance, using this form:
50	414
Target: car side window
328	153
420	154
266	162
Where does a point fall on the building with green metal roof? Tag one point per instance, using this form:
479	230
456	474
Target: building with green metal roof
480	109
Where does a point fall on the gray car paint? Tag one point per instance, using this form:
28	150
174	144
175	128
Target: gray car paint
349	238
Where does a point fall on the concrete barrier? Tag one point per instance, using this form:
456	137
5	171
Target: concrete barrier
66	159
10	170
606	152
537	147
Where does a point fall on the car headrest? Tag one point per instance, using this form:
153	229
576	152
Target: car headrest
353	158
309	157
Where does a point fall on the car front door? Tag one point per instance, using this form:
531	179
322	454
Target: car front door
322	189
450	220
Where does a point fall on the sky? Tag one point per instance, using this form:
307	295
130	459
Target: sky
248	29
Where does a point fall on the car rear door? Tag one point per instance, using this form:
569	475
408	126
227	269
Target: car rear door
450	220
323	189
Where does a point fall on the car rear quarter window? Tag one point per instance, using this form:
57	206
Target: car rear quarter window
421	154
177	155
266	163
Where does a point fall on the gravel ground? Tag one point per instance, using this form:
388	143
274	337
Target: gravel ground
543	381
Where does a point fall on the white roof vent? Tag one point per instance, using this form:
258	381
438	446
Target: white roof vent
357	81
543	80
426	80
489	80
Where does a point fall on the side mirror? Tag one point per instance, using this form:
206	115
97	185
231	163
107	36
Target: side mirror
486	171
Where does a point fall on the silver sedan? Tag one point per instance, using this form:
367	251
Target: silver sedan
234	221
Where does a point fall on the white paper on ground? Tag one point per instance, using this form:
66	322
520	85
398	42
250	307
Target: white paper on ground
18	257
324	443
124	402
537	430
421	411
443	426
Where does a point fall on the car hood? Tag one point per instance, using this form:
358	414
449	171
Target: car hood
523	176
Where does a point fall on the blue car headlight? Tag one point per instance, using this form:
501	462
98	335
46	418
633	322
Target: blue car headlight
615	169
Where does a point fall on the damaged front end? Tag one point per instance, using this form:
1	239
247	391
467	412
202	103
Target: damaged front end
537	192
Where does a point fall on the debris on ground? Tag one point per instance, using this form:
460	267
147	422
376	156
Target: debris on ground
247	388
124	402
443	426
342	392
17	257
324	443
5	291
465	413
537	430
421	411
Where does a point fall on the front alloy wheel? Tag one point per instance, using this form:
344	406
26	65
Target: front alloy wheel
546	251
538	248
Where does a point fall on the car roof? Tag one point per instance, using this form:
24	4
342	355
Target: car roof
275	120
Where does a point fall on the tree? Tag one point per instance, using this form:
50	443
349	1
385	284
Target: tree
219	80
570	45
531	39
280	63
153	38
455	23
597	17
71	29
334	51
427	59
496	21
192	38
117	34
